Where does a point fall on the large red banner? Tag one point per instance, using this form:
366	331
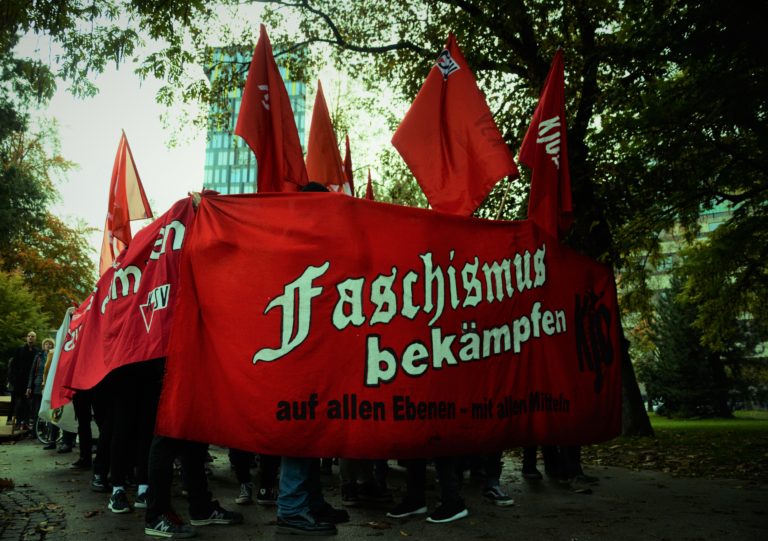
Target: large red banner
128	316
314	325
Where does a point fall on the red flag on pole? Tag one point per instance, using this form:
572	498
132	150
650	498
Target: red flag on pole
127	201
369	188
449	140
348	167
323	158
266	123
545	150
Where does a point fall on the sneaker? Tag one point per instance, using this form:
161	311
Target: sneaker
448	513
532	475
98	484
408	509
266	496
327	513
217	515
585	479
64	449
169	525
497	496
370	491
141	501
349	496
246	494
118	502
50	446
304	524
81	464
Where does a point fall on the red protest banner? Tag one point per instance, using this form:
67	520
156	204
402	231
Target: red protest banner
127	318
415	333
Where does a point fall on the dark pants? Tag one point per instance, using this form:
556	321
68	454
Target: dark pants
241	463
82	404
450	483
20	406
101	401
269	465
161	454
136	393
415	480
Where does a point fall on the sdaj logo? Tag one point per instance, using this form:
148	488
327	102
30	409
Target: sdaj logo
156	300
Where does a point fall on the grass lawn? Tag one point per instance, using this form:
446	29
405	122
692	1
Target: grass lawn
733	448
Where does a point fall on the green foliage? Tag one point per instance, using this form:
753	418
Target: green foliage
683	374
20	312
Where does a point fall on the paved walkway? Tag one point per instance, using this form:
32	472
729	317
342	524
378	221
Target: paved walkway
53	502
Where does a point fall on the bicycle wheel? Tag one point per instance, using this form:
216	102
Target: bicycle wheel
43	431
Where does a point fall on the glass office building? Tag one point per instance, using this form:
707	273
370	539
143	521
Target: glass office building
230	166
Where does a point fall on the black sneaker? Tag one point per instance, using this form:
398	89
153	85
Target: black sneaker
532	475
266	496
81	464
349	496
64	449
169	525
304	524
328	513
448	513
118	502
246	494
98	484
140	502
370	491
217	515
497	496
49	446
408	508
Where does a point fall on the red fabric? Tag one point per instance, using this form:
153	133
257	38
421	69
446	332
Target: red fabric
449	140
262	277
266	123
545	150
348	166
323	160
127	318
127	201
369	188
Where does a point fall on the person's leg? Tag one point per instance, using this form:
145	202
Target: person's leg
269	465
294	500
414	502
103	414
241	463
203	510
150	376
82	404
452	506
493	491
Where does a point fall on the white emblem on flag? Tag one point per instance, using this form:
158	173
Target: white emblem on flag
156	300
446	63
265	99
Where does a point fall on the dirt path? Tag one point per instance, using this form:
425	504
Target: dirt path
643	506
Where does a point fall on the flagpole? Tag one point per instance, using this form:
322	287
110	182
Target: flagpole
503	198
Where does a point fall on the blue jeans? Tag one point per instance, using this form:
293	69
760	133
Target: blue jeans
299	492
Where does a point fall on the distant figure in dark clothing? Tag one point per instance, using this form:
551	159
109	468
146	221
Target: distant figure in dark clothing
18	371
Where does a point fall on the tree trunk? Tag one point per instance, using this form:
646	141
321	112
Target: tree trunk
634	418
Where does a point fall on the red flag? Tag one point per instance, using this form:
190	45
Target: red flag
266	123
449	140
545	150
348	167
369	189
323	158
127	201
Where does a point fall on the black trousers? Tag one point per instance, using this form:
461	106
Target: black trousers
161	455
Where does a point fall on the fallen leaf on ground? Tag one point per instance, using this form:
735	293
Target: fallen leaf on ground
379	525
89	514
6	484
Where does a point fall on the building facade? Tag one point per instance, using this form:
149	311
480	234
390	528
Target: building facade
230	166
